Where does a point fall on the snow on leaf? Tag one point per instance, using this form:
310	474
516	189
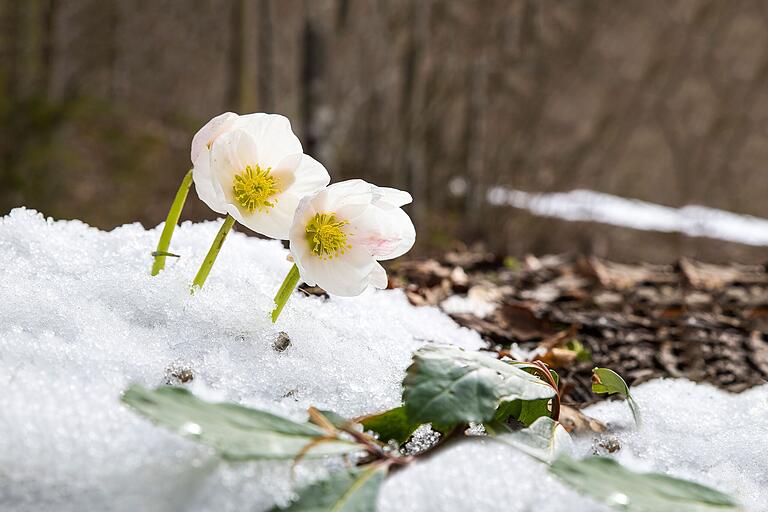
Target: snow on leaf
236	432
545	439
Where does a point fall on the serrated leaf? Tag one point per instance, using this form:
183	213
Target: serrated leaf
545	439
353	490
609	482
391	424
236	432
446	386
605	380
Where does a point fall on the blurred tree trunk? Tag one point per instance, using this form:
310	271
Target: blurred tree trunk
661	101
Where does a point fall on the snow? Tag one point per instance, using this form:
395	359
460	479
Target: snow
697	432
80	319
587	205
691	431
457	304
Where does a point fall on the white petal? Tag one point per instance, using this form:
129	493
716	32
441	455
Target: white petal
273	135
230	155
309	177
205	186
300	252
285	171
346	275
206	135
378	277
276	221
375	231
347	199
386	198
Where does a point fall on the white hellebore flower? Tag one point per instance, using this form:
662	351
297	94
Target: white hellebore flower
253	168
339	234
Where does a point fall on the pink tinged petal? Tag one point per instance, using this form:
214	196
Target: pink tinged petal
385	233
205	137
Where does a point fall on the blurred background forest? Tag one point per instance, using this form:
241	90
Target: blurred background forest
664	101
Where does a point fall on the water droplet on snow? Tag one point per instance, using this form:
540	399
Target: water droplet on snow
191	428
619	498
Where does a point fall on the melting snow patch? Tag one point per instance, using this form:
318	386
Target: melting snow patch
80	319
586	205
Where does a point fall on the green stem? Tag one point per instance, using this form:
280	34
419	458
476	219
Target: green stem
170	224
213	252
284	293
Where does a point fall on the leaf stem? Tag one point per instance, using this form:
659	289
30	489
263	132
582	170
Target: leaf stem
170	224
284	293
213	252
555	399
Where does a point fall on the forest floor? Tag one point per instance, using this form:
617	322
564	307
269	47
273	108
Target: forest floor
689	319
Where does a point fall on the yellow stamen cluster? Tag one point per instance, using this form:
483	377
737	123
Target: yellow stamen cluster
326	236
254	187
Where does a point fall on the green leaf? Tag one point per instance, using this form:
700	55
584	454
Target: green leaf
605	380
607	481
446	386
391	424
544	440
353	490
236	432
582	353
526	412
555	377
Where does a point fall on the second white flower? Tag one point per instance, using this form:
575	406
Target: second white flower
340	233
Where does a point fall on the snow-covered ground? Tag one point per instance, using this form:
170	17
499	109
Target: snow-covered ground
80	319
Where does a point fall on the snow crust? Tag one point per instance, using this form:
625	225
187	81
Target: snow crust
81	318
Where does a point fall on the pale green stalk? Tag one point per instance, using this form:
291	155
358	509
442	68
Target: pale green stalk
213	252
285	291
170	224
